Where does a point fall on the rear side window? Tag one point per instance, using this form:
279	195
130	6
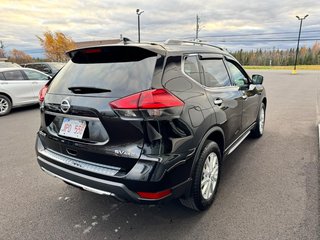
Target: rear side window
122	70
13	75
1	76
215	73
191	67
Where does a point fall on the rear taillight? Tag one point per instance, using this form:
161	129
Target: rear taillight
155	103
155	195
150	99
42	93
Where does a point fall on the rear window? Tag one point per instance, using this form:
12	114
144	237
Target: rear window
123	70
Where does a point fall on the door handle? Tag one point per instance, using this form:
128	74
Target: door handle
218	101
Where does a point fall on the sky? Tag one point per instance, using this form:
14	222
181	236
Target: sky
233	24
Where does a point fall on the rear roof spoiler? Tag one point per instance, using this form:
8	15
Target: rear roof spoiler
157	48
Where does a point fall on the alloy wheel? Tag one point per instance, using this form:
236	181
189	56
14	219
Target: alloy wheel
4	105
261	120
209	176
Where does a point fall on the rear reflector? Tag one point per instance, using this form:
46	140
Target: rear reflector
150	99
157	195
43	93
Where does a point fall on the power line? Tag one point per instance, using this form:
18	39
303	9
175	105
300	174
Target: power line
267	40
264	39
256	34
213	38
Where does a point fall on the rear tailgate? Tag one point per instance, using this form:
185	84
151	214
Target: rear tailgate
73	100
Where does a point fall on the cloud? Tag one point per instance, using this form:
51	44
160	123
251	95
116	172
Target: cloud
21	21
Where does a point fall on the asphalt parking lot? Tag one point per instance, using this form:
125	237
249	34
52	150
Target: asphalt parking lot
269	187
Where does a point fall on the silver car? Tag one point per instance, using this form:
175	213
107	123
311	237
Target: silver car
19	87
9	65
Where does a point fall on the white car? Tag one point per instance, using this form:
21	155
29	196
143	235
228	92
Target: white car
20	87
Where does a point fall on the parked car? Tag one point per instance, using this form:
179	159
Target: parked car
19	87
148	122
9	65
50	68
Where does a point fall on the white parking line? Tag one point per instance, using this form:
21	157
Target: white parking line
319	137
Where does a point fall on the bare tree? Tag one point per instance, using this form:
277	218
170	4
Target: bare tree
19	57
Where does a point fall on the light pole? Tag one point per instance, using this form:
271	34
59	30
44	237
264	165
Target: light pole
139	13
297	51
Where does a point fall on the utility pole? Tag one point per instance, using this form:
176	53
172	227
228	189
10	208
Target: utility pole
297	51
139	13
197	27
2	53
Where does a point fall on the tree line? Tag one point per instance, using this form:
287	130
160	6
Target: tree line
277	57
55	44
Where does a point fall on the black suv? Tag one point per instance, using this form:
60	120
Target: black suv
148	122
50	68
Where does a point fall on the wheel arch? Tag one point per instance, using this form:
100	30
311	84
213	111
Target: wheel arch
7	95
264	101
215	134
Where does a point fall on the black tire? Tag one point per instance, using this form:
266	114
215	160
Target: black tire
257	132
197	201
5	105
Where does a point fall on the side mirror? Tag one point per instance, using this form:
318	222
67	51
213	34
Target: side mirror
257	79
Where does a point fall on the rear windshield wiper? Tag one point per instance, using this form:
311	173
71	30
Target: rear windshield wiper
84	90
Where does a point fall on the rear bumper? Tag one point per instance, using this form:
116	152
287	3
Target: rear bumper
88	183
107	187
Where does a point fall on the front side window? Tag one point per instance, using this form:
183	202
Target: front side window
237	76
33	75
13	75
215	73
191	67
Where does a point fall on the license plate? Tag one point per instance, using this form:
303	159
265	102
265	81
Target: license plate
72	128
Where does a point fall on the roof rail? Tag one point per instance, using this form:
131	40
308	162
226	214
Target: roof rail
126	40
175	41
